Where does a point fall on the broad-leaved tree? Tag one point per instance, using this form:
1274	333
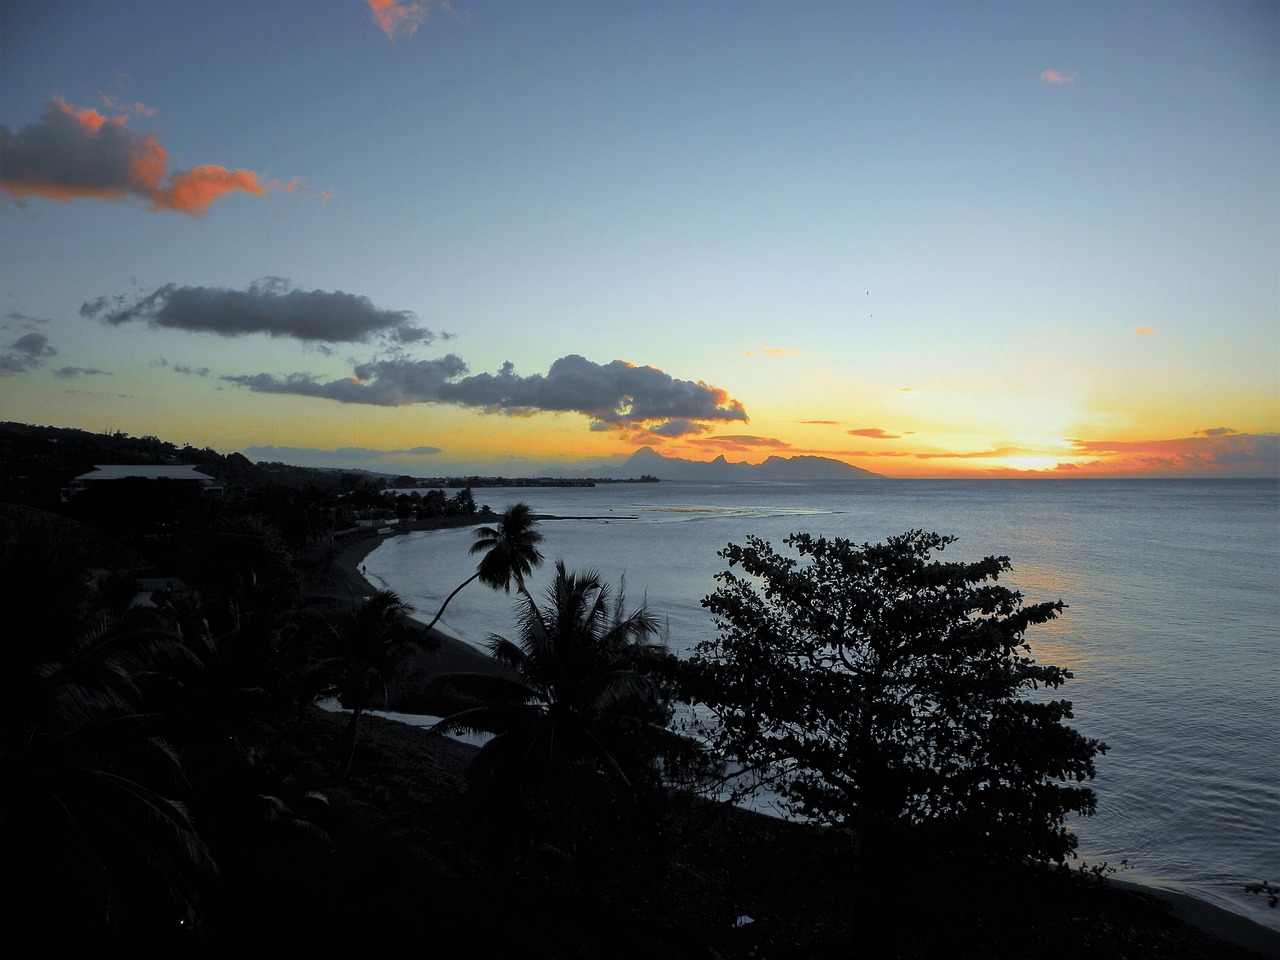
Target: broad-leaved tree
874	687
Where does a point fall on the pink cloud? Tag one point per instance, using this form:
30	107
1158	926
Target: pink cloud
72	154
398	19
1057	77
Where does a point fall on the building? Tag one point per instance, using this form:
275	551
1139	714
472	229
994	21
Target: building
183	473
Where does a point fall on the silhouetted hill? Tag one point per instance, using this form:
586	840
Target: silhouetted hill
37	461
648	462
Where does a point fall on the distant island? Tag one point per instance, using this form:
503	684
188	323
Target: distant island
405	482
42	458
647	462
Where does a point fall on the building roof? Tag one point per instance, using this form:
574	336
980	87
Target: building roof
121	471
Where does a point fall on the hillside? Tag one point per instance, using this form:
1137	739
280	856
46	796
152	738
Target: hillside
408	863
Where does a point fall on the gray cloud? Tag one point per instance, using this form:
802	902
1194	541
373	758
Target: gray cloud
64	153
80	372
21	321
386	383
183	368
678	428
29	351
72	154
342	454
271	306
616	395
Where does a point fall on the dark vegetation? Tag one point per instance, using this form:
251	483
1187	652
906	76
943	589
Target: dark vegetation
167	778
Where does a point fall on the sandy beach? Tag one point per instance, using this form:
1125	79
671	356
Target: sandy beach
338	579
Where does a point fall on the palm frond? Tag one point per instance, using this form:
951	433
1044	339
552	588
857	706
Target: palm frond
494	719
482	688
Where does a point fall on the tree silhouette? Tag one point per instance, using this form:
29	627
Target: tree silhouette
874	687
510	549
368	648
92	833
577	722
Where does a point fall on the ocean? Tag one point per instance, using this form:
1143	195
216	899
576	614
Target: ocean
1172	626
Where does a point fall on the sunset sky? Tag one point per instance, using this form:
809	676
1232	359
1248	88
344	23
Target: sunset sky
928	239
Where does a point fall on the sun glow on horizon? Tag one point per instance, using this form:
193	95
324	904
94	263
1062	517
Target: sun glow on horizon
956	300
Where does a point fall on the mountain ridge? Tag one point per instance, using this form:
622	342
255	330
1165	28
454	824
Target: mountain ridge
649	462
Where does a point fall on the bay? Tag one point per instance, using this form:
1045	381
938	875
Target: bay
1173	594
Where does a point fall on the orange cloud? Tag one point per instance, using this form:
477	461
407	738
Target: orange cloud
875	433
398	19
1054	76
771	352
1145	332
742	442
1220	452
1218	447
976	454
72	154
88	118
191	191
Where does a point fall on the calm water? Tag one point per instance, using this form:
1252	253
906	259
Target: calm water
1172	626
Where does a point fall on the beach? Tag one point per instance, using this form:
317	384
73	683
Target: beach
338	578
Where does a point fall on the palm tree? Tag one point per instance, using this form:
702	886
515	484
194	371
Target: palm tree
510	549
89	815
577	720
368	649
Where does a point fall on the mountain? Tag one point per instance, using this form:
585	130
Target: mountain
648	462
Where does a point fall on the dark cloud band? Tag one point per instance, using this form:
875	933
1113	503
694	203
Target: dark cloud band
26	353
271	306
616	395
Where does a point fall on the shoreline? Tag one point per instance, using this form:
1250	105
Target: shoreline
450	654
453	655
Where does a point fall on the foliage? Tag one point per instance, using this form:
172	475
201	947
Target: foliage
577	721
510	548
510	552
91	813
874	687
132	742
367	649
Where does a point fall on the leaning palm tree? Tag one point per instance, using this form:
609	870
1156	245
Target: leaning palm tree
578	718
510	549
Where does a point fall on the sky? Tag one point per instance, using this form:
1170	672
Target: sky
928	239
